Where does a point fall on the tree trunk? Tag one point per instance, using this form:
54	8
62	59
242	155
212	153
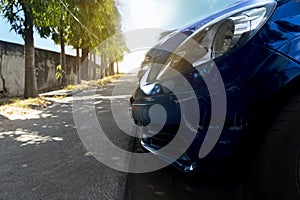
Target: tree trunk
63	61
78	68
99	66
103	66
85	64
63	64
94	66
118	70
90	63
111	67
30	79
4	92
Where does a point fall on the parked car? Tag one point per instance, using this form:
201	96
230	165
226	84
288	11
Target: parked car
255	47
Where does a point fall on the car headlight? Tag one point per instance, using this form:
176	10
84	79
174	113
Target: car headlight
220	36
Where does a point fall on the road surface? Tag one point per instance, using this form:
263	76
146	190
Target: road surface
42	157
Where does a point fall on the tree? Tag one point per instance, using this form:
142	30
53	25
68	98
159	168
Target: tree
93	22
53	21
30	78
22	16
85	24
80	23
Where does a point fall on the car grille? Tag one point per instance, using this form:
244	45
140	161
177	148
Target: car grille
161	139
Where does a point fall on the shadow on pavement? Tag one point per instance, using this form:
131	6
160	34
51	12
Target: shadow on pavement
166	184
169	183
43	158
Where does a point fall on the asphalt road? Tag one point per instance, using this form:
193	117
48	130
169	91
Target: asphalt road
166	184
44	158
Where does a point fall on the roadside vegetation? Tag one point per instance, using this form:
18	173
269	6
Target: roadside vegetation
80	24
38	102
93	83
42	102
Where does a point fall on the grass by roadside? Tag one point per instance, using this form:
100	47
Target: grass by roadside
18	108
38	102
43	102
93	83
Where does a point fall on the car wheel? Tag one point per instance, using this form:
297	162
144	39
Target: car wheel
275	172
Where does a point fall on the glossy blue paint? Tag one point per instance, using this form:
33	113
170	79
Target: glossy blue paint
253	74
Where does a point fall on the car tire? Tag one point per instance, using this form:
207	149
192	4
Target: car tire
275	172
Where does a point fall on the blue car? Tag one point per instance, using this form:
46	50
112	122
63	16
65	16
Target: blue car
224	93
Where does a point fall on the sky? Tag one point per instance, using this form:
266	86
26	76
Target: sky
162	14
138	14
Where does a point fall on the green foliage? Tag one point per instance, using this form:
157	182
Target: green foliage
84	23
13	11
91	23
60	72
22	16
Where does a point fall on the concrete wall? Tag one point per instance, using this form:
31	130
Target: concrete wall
12	69
45	64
